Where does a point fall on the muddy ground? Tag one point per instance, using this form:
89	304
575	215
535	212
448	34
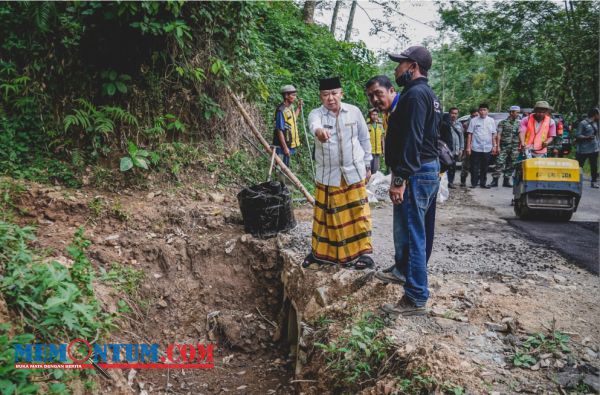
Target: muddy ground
206	281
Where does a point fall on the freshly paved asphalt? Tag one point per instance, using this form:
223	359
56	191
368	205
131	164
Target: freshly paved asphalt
577	239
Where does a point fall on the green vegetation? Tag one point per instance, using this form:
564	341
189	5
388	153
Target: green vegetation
518	52
538	344
421	382
360	353
137	157
123	278
54	301
55	304
123	85
9	191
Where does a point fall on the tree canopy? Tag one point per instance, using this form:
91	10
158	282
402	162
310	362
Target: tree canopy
80	81
519	52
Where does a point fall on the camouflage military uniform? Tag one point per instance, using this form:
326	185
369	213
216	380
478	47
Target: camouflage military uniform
557	142
509	147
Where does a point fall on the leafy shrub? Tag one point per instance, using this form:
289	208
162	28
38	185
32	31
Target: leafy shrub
98	123
56	302
359	352
14	381
139	158
114	82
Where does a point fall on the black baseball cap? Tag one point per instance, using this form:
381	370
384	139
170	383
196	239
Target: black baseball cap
416	53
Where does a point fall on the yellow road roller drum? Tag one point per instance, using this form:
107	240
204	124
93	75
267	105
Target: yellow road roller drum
547	188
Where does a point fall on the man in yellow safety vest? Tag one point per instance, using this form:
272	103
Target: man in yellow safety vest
376	134
286	137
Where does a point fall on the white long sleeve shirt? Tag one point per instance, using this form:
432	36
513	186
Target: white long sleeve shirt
347	151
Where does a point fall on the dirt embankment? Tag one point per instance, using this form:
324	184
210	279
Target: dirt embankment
508	315
203	281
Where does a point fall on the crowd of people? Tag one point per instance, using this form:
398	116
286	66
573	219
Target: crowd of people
406	129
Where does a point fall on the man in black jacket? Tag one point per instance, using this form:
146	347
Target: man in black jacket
412	155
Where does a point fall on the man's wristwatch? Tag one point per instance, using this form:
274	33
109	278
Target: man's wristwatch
398	181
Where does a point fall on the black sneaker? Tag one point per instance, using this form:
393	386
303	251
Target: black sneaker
463	184
485	186
472	186
595	185
389	277
451	186
404	307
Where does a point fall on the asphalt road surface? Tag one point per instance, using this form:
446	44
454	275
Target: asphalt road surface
577	239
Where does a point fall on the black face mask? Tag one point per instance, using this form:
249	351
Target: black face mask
404	77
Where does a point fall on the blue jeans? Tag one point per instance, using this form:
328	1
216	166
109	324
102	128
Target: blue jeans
286	158
414	224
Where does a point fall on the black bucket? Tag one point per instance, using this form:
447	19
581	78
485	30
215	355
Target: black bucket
266	209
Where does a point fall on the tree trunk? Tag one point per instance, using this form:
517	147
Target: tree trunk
350	22
503	84
336	9
308	12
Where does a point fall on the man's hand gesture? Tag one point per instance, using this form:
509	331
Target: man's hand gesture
323	135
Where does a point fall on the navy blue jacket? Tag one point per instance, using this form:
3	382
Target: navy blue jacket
412	135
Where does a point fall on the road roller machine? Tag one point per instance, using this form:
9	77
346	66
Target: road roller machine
547	188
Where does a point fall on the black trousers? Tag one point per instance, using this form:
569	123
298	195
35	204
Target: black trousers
479	167
593	158
451	172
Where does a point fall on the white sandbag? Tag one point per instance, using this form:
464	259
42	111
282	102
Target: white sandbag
378	187
443	192
371	197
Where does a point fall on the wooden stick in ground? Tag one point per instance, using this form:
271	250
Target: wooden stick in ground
272	161
267	147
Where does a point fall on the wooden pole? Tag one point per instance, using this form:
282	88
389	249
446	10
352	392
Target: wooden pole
271	167
268	148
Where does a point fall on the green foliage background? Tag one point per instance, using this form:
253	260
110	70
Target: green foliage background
95	85
519	52
80	80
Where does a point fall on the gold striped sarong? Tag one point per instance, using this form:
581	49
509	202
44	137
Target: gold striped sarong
341	223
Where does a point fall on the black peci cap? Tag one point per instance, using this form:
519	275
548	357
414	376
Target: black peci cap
327	84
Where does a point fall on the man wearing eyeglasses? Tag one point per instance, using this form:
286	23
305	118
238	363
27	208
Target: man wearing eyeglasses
342	220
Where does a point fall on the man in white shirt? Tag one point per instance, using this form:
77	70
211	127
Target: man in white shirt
481	144
342	218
